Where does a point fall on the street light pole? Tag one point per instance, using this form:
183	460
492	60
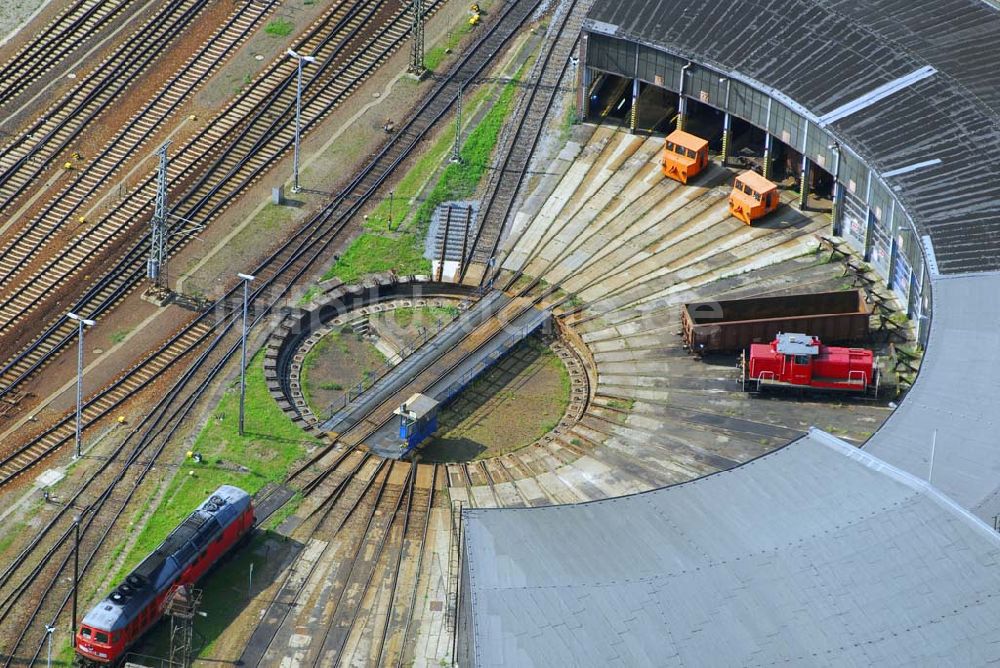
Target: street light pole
76	572
48	632
80	321
247	278
298	119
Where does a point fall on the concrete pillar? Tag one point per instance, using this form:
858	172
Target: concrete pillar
835	196
726	138
893	254
767	155
803	183
634	116
893	245
869	233
583	82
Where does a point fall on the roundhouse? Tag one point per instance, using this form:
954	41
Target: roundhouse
818	553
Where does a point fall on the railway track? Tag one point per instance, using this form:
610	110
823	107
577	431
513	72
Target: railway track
56	41
522	137
56	129
102	404
379	511
301	251
144	445
82	185
234	146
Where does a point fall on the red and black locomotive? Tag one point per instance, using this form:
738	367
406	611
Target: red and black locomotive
800	360
118	621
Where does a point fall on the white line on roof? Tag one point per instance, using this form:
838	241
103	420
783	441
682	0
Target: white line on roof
880	93
911	168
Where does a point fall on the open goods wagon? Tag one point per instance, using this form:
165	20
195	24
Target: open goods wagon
734	324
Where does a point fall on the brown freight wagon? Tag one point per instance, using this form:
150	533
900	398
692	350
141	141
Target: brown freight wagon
736	323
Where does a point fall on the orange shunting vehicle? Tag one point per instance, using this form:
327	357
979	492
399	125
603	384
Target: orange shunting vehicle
753	197
684	155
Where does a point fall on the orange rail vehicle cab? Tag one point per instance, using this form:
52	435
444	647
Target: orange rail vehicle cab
753	197
684	156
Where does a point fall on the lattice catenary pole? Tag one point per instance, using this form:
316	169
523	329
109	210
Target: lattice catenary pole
456	150
156	265
417	42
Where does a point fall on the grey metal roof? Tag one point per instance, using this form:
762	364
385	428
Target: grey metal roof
818	553
903	82
797	344
956	395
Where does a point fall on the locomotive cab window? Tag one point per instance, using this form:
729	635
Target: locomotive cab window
756	196
84	631
100	636
801	359
671	147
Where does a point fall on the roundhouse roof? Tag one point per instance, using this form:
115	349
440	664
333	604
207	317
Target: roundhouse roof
940	58
817	553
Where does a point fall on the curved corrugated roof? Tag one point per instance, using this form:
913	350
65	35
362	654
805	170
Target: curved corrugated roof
816	553
827	55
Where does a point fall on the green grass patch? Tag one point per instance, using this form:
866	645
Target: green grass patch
309	295
283	513
279	28
13	530
435	55
119	336
425	315
568	121
459	181
270	445
622	404
373	253
402	251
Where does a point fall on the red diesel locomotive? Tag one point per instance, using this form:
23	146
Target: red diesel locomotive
800	360
118	621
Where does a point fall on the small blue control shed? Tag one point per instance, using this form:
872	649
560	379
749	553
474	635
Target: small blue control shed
417	420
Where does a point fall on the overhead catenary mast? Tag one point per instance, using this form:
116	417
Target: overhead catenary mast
417	41
159	234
